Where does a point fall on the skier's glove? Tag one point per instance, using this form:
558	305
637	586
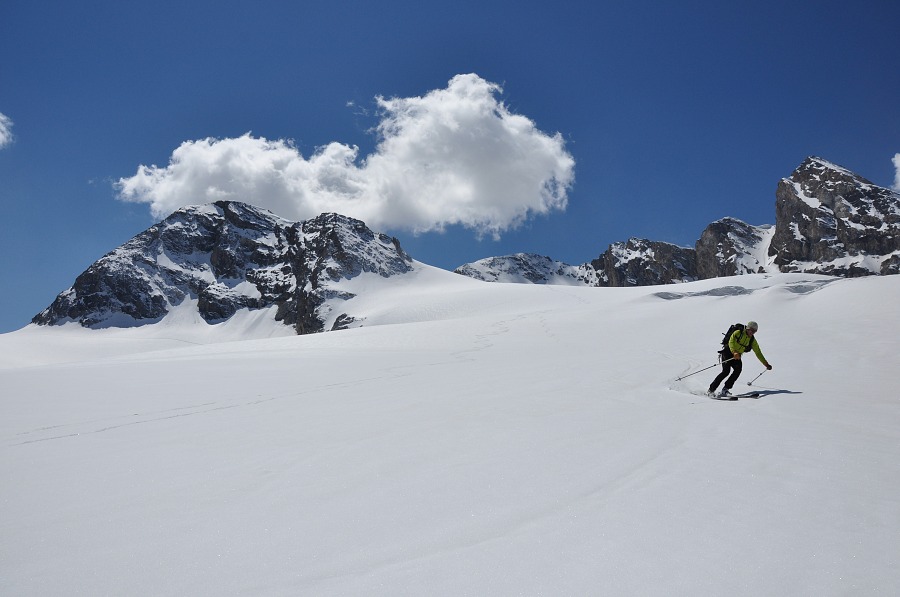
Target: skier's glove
737	356
768	367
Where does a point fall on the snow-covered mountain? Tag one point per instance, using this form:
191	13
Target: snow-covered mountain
228	256
528	268
636	262
829	220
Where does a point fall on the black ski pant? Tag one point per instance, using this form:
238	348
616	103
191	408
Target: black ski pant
732	366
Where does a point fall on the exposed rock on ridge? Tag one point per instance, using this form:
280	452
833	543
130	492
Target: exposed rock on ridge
640	262
828	221
730	247
229	256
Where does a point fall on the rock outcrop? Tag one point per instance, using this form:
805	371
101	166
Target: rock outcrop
829	220
228	256
640	262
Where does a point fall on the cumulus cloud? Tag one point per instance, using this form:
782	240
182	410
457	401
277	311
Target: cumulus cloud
897	174
6	135
452	156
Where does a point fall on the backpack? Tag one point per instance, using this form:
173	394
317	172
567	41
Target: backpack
727	336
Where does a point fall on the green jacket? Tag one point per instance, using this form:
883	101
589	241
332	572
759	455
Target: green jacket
740	342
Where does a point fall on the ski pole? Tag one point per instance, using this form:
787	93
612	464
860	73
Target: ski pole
702	370
750	383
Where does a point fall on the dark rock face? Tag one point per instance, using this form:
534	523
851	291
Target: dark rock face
726	248
325	250
829	219
640	262
229	256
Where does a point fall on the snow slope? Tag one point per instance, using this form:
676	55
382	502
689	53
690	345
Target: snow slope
470	439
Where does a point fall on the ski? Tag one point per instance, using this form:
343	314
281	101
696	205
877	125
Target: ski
731	398
735	396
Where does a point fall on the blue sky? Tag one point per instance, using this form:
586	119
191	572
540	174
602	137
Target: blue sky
647	119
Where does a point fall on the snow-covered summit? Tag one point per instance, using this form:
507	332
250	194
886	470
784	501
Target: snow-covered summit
224	257
528	268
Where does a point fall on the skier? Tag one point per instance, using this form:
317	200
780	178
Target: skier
739	342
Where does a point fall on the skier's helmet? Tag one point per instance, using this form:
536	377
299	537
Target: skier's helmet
752	325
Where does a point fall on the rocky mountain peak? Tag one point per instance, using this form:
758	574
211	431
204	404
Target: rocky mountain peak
228	256
831	220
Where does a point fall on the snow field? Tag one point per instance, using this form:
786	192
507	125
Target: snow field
471	438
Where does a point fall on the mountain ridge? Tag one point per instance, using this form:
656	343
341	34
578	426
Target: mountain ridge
231	256
829	220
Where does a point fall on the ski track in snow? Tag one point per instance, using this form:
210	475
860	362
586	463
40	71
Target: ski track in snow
482	342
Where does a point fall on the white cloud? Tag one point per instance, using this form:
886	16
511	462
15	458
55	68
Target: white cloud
453	156
897	174
6	135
